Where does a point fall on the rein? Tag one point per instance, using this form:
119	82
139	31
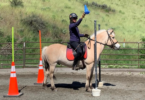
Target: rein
103	43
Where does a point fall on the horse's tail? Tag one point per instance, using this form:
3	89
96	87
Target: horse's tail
44	58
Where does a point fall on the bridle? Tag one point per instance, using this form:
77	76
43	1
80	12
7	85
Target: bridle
109	37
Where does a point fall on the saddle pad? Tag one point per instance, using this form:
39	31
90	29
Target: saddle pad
70	56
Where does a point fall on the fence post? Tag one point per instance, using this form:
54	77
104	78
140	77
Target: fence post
138	55
24	53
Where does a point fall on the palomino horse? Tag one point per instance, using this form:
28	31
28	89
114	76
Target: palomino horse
56	53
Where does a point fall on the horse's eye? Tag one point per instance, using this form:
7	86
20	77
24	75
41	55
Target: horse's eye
112	37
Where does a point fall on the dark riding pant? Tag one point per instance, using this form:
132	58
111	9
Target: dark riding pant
76	46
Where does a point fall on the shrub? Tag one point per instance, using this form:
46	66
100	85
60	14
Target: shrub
35	23
100	6
108	9
1	33
142	51
93	3
8	38
104	6
86	3
16	3
142	66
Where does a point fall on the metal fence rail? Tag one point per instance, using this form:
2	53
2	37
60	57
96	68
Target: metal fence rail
27	55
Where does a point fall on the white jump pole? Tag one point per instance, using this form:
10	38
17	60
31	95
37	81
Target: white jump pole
96	91
100	84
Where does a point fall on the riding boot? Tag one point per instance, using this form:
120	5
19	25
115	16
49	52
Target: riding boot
84	66
75	64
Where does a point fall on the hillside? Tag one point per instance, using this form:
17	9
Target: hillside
126	17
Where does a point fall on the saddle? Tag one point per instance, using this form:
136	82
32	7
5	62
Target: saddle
70	53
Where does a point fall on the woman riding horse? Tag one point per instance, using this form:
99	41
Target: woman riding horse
75	36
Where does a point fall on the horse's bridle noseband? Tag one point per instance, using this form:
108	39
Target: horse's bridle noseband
109	37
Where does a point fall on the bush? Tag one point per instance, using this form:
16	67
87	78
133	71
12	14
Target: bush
142	51
142	66
8	39
1	33
86	3
16	3
104	6
108	9
35	23
100	6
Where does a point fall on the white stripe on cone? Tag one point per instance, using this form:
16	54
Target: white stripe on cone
40	62
13	68
13	74
40	67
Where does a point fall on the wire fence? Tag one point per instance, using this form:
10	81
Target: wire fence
27	54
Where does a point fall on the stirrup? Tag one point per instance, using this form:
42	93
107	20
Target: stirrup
75	67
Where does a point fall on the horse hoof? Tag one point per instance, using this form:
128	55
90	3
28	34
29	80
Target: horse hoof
89	90
54	89
44	86
77	68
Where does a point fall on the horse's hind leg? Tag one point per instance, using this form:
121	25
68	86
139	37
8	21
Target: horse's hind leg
51	75
46	65
45	78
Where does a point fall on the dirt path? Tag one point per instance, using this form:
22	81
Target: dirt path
72	87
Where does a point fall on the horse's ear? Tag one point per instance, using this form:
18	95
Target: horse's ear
111	31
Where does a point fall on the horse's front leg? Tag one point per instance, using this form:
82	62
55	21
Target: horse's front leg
89	75
92	70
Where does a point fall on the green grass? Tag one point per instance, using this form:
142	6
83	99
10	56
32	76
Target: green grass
128	20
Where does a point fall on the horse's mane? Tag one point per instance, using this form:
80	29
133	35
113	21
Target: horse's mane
98	32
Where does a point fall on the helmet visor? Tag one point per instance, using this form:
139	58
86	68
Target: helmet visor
75	18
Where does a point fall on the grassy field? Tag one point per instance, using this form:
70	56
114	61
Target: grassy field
127	20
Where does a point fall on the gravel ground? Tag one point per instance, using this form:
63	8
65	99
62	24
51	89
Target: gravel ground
117	86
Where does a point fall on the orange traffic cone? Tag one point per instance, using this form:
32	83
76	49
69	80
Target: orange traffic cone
40	77
13	86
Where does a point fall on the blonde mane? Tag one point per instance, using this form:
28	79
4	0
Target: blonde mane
98	32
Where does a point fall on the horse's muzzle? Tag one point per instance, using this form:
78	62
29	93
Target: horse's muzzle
117	46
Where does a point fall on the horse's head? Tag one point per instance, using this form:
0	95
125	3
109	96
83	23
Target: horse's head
111	41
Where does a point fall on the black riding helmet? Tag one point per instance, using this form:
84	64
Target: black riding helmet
72	16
